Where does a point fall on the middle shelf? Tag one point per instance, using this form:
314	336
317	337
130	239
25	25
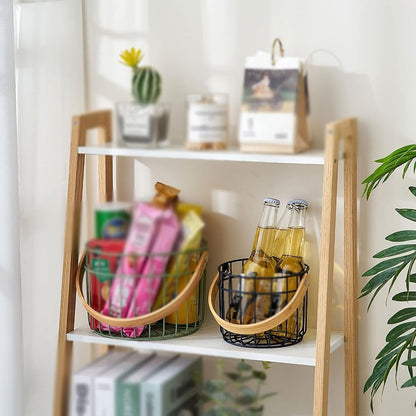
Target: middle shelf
208	341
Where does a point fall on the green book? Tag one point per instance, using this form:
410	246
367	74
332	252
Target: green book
128	395
174	389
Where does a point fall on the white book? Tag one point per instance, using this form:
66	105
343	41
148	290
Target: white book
174	389
105	383
128	388
82	385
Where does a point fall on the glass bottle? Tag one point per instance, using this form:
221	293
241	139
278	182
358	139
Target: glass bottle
291	262
249	307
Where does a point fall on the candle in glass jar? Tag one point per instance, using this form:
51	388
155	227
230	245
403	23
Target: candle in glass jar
207	121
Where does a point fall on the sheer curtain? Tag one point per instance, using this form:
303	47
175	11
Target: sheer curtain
50	89
10	297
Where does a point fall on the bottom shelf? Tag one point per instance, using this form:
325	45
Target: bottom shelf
208	341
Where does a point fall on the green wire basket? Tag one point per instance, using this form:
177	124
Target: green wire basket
177	310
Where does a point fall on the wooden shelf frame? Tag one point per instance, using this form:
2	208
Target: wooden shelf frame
337	133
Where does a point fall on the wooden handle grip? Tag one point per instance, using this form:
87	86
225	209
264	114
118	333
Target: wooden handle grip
151	317
265	325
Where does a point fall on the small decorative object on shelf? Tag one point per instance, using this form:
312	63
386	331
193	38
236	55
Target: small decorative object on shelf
274	106
143	122
207	121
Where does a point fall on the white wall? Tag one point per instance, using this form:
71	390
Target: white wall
361	63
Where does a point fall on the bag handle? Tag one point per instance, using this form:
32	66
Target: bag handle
151	317
266	324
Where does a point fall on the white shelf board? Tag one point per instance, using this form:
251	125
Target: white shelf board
310	157
208	342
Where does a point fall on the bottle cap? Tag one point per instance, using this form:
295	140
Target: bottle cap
272	201
299	203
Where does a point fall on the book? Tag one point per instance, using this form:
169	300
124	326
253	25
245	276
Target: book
174	389
105	383
82	385
128	388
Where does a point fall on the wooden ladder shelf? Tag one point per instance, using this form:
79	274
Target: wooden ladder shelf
343	132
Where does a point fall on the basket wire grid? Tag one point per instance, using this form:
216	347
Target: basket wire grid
186	320
232	299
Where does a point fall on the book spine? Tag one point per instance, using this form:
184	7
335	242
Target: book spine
81	396
104	397
151	401
127	399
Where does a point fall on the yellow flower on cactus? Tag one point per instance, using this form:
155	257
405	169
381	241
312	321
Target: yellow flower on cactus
131	57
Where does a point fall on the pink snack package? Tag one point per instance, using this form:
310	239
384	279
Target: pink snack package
151	279
143	229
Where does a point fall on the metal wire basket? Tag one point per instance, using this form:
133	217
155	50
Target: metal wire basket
259	312
147	304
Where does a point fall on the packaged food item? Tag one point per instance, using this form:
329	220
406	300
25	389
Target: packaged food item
182	208
103	259
181	269
151	278
143	229
112	220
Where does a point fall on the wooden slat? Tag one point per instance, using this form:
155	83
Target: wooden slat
326	268
80	126
335	132
350	272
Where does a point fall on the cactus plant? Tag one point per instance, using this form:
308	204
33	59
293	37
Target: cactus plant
146	84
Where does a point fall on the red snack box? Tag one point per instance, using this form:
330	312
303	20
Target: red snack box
103	257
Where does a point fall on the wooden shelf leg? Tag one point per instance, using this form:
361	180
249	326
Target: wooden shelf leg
345	130
350	273
326	268
80	126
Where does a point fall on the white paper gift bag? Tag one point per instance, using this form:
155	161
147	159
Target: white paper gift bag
274	107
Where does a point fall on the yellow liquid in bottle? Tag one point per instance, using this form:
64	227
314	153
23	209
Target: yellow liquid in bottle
259	268
295	241
279	242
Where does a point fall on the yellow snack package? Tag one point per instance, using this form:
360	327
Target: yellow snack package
180	271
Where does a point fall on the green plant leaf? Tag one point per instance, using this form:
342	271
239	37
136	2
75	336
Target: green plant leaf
379	279
405	235
266	365
391	345
410	363
386	264
260	375
267	395
402	315
412	189
393	251
243	366
409	383
405	296
399	330
233	376
246	396
407	213
212	386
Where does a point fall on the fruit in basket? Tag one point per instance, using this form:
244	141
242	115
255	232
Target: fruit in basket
146	83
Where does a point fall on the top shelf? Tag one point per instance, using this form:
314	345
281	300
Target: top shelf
311	157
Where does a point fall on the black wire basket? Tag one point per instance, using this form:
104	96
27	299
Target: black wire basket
260	312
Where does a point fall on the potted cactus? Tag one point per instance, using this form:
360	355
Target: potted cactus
143	122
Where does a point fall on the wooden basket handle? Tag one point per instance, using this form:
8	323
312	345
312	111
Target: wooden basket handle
151	317
266	324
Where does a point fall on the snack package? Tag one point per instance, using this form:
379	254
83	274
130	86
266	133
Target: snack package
103	259
142	231
180	270
152	275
